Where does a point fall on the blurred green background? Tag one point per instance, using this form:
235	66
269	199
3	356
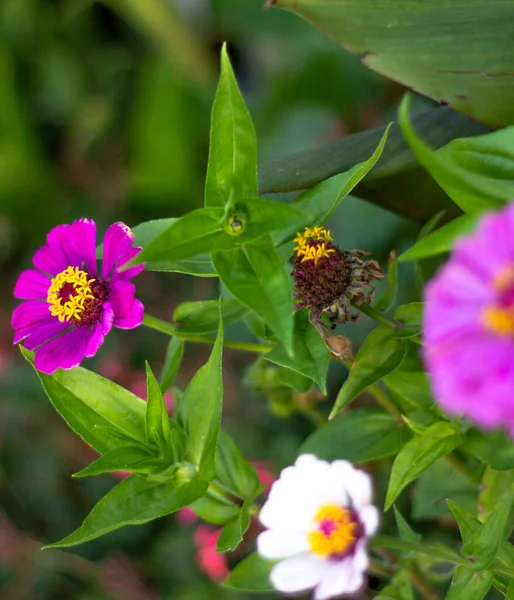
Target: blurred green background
104	112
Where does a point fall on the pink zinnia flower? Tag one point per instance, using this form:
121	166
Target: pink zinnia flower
469	325
69	307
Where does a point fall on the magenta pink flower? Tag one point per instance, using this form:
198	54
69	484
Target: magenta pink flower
469	325
69	306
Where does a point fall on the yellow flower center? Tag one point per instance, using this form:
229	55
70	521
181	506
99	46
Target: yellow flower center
68	292
312	244
336	531
504	280
499	320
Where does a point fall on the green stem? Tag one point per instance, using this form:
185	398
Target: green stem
373	314
168	329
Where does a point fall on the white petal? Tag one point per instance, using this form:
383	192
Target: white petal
297	574
370	518
291	510
357	482
339	578
274	544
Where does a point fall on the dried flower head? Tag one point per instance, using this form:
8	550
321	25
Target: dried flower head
327	278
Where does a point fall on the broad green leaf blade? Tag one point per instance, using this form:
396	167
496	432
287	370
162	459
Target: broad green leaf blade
388	298
200	266
214	510
92	406
404	529
134	501
201	317
199	410
135	459
492	487
157	421
510	591
310	355
232	534
435	550
418	454
232	168
495	449
486	541
233	470
172	360
391	181
441	240
257	278
294	380
319	203
477	173
380	353
360	436
398	589
469	584
251	575
409	43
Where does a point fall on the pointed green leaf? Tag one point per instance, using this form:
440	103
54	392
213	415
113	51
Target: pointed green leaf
199	410
380	353
404	529
310	355
510	591
398	589
135	459
217	511
93	406
172	360
200	318
360	436
232	534
134	501
388	298
492	487
494	448
418	454
257	278
484	544
233	470
469	584
157	421
232	167
251	574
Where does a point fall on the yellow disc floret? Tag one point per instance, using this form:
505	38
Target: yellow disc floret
336	531
312	244
499	320
68	292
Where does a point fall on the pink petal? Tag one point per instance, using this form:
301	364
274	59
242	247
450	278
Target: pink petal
131	272
95	340
40	332
84	233
29	312
31	284
62	238
117	241
132	318
50	260
107	318
121	297
65	352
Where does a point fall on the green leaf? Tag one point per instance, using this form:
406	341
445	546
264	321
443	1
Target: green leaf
388	298
418	454
251	574
469	584
214	510
380	353
93	406
233	470
157	421
495	448
398	589
257	278
172	360
410	316
441	240
404	529
294	380
492	487
485	542
360	436
412	387
135	459
477	173
438	551
310	356
199	318
232	534
200	266
232	168
134	501
319	203
510	591
468	69
199	410
390	183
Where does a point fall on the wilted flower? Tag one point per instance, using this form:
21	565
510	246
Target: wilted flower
69	307
327	278
469	325
319	518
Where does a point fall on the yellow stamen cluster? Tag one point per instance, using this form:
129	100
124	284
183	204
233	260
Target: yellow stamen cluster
312	244
74	305
338	537
499	320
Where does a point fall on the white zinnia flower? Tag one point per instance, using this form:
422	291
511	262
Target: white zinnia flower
319	516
